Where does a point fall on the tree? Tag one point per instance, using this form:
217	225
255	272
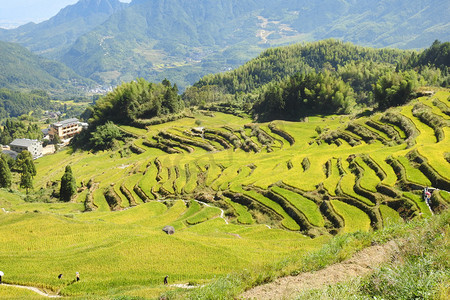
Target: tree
393	89
68	185
24	162
26	181
5	174
105	136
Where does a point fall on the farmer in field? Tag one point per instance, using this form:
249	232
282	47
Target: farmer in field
60	276
78	276
166	279
1	274
427	195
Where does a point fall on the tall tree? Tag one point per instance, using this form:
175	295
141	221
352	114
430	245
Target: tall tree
68	185
5	174
26	181
24	161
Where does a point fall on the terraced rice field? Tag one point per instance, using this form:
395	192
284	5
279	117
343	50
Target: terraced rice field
365	162
260	191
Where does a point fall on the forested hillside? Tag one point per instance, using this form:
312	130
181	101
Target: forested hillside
328	77
113	42
14	103
23	70
207	37
53	37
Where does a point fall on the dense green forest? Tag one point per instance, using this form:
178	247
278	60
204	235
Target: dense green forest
129	104
324	77
23	70
14	129
14	103
137	100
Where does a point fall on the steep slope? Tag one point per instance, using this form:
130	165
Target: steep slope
22	69
158	39
52	37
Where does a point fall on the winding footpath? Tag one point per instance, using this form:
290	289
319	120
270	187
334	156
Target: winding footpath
31	288
362	263
222	213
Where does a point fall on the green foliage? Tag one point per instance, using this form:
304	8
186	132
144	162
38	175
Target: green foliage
437	55
302	95
23	70
68	185
26	181
275	64
25	164
136	100
14	129
105	136
5	174
393	89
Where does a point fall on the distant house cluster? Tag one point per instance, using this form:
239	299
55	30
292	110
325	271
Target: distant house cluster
65	130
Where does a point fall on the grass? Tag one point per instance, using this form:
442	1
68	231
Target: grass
331	182
413	174
354	218
347	183
203	215
389	215
287	222
14	293
244	217
308	207
419	201
369	179
420	270
125	253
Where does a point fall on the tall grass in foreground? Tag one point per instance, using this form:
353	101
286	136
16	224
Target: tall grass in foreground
421	270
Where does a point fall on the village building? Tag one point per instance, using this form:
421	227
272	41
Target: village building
65	129
33	146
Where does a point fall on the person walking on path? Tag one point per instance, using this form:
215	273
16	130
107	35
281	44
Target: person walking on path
166	279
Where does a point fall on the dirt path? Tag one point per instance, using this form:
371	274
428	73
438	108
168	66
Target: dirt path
36	290
360	264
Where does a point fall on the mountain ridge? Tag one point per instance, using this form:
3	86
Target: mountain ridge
185	40
23	70
54	36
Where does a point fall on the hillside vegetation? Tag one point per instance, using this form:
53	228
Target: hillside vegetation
323	77
25	71
113	42
143	41
238	194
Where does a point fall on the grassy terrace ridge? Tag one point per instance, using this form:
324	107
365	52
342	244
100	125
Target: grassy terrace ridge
266	191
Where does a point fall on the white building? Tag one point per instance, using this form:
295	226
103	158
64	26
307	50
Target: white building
65	129
33	146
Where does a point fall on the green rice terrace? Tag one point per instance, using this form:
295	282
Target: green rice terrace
239	195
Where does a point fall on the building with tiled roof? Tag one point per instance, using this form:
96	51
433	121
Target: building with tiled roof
33	146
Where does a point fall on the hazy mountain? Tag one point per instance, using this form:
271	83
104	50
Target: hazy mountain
54	36
23	70
186	39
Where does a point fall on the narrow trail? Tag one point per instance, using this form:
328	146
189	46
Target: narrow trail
34	289
362	263
222	213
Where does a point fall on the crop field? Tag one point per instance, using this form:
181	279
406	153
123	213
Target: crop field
239	194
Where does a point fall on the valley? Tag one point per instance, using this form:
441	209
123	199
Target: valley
284	188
